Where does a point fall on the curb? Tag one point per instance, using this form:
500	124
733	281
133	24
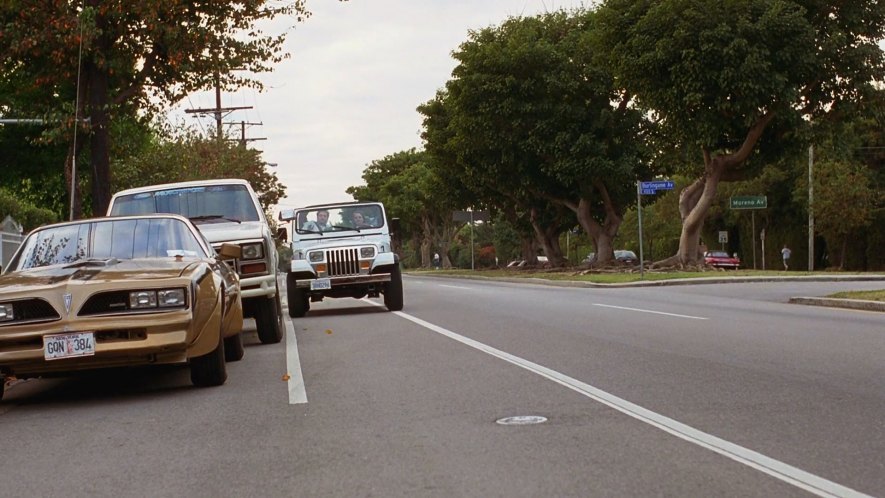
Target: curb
855	304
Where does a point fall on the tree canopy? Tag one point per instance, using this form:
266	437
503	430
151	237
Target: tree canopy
139	55
718	75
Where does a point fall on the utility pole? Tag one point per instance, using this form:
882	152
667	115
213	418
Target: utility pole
810	208
218	111
243	125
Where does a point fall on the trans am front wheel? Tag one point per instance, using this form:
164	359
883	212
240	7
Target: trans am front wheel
209	369
233	347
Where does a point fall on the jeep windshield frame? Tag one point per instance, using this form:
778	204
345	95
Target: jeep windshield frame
338	219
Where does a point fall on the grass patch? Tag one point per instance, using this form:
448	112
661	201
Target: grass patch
626	275
873	295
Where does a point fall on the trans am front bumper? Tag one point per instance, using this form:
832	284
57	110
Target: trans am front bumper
128	340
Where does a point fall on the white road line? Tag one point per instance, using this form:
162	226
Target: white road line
297	393
651	311
455	287
775	468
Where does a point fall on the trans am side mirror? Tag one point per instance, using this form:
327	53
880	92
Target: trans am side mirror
230	251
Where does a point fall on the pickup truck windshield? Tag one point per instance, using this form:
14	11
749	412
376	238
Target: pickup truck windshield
221	201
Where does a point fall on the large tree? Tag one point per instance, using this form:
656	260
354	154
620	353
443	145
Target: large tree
734	79
133	54
536	122
411	190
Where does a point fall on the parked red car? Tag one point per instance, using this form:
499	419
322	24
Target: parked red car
721	259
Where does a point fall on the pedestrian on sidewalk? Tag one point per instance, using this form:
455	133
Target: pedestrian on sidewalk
785	252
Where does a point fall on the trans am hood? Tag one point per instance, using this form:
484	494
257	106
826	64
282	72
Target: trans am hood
229	232
120	274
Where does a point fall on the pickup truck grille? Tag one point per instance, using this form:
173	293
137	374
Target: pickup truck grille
343	262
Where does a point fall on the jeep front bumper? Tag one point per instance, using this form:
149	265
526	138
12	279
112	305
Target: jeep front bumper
344	280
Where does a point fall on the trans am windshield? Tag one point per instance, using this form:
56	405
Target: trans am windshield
119	239
221	202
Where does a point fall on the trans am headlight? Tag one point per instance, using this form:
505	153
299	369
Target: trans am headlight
163	298
367	252
170	298
253	251
316	256
6	312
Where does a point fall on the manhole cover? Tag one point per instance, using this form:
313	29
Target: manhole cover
522	420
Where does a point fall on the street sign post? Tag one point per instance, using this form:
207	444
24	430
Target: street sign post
752	202
647	188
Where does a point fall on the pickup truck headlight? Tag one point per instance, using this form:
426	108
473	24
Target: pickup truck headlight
253	251
367	252
315	256
6	313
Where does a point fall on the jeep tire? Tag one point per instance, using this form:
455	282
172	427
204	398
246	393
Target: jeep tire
393	291
269	319
298	300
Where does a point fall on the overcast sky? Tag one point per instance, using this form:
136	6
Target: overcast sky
348	94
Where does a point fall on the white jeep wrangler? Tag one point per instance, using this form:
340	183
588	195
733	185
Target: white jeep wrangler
225	211
341	250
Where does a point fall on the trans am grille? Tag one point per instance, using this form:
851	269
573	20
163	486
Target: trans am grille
106	302
32	310
343	262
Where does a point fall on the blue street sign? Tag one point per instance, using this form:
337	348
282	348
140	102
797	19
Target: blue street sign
659	185
649	191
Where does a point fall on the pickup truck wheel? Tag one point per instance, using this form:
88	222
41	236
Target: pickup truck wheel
393	292
209	369
269	320
233	347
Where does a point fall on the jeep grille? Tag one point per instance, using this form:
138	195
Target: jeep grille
343	262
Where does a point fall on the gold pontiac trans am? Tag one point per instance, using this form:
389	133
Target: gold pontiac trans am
121	291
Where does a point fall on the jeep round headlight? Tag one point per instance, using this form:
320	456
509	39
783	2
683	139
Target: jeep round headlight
367	252
315	256
252	251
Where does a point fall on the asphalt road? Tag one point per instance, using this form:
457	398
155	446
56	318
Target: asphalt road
704	390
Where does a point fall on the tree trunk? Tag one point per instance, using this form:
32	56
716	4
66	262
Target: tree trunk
426	241
548	237
603	236
696	199
99	103
443	239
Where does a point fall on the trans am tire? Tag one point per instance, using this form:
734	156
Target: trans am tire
210	370
393	292
233	347
2	386
269	320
